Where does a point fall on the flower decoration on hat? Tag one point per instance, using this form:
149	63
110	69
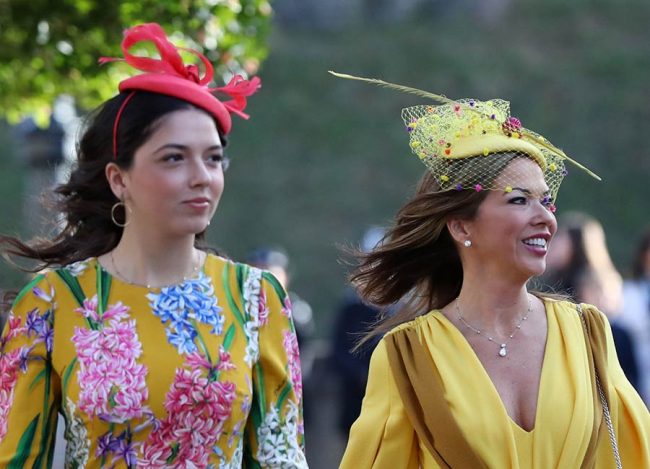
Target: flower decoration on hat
170	76
458	141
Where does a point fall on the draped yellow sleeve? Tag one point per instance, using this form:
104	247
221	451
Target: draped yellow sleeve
630	416
382	437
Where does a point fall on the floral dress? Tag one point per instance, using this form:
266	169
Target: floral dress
201	374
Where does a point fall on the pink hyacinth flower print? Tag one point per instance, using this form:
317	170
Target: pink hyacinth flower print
11	363
286	307
13	329
197	362
263	309
293	358
225	362
197	410
9	368
117	311
89	308
112	383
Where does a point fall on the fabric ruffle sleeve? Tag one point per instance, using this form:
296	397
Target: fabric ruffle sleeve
29	385
274	432
382	436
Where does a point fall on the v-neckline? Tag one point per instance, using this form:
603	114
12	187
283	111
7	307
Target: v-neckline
489	379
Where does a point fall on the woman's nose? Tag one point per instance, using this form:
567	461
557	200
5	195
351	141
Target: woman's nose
200	173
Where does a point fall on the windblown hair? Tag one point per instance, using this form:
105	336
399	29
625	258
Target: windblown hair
417	266
86	199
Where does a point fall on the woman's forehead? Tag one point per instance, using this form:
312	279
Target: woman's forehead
523	173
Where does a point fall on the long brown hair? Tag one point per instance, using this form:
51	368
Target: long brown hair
417	263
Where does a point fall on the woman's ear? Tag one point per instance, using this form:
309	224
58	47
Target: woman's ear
116	179
460	230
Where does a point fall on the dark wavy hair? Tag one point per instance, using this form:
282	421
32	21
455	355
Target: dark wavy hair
86	199
416	267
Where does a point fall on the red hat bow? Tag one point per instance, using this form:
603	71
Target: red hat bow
170	76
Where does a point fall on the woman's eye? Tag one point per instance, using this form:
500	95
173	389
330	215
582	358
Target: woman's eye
547	201
216	158
518	200
173	157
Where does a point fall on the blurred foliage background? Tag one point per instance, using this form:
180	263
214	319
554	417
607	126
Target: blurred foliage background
51	47
321	159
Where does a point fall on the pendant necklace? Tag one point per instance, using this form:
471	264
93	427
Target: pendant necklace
503	348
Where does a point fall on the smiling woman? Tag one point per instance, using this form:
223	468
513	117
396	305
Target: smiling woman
473	370
158	352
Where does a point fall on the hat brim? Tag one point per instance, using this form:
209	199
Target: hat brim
184	89
479	145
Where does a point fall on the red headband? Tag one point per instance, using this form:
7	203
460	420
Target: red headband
170	76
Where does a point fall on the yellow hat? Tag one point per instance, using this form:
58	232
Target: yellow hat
459	139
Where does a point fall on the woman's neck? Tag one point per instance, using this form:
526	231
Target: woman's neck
493	304
153	261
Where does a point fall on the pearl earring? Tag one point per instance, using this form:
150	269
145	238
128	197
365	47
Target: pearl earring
467	243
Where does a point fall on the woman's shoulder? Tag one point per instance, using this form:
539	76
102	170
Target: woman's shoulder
49	277
214	260
414	324
570	315
239	272
567	306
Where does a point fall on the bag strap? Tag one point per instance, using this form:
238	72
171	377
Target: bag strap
601	393
420	388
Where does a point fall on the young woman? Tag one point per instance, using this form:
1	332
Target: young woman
476	371
157	352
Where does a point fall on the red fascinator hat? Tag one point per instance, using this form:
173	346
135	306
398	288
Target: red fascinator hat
169	76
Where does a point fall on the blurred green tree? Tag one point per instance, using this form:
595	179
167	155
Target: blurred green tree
51	47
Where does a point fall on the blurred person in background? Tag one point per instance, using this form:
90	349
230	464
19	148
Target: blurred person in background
158	351
476	370
592	287
580	244
353	318
636	309
579	265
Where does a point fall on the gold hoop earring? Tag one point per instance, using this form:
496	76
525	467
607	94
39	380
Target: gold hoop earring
126	209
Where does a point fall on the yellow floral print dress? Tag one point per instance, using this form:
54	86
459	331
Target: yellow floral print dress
201	374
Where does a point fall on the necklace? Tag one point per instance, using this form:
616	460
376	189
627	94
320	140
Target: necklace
503	348
195	270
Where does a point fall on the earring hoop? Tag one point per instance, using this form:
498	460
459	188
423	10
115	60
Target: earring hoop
467	243
117	204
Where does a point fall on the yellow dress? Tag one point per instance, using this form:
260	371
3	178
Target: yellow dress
204	373
383	436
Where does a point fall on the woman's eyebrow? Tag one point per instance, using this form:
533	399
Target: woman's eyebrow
528	192
521	189
178	146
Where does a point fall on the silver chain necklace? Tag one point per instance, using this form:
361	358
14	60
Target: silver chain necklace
195	270
503	348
